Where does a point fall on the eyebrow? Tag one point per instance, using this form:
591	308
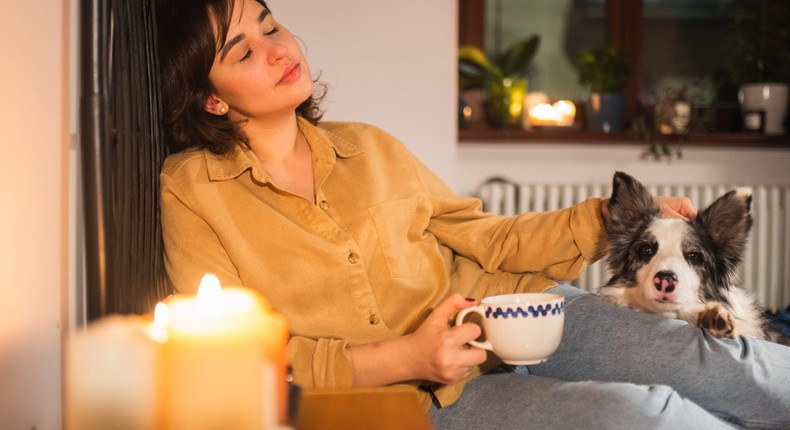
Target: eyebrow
233	42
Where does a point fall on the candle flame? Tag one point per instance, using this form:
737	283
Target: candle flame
161	315
209	294
158	331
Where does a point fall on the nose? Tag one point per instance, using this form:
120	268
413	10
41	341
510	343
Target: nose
665	281
276	52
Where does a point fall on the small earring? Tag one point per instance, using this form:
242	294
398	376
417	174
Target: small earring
222	109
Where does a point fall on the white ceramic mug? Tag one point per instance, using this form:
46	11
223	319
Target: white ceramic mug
520	329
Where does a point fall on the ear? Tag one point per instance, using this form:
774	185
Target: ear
728	219
630	202
215	106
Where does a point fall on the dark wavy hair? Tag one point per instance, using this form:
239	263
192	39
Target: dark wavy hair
187	46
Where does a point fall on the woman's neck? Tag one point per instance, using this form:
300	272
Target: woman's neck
273	140
285	154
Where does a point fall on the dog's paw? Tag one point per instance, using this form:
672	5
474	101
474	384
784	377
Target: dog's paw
717	320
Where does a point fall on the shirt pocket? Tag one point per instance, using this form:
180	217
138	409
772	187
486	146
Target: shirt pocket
400	233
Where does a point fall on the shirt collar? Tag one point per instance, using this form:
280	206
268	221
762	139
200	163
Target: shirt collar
324	143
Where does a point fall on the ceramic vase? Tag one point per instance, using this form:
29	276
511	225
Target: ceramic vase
605	112
763	106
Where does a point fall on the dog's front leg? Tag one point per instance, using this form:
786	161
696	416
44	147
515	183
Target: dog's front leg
716	319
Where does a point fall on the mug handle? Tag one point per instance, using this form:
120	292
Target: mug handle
460	320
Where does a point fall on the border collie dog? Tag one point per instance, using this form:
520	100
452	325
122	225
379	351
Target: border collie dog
685	269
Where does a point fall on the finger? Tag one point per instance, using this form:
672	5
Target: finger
447	308
472	356
668	212
676	207
687	209
466	332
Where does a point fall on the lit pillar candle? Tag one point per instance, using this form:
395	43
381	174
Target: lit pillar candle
111	375
219	365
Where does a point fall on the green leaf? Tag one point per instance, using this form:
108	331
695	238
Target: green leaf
470	75
476	56
603	69
519	56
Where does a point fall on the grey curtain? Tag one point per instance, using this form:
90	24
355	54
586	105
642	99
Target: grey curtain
122	149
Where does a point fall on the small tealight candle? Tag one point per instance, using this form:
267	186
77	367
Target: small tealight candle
544	114
562	113
224	360
566	110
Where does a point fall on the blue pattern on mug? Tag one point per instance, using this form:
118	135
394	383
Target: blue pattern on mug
535	311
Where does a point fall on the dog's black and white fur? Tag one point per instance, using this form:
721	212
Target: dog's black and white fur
684	269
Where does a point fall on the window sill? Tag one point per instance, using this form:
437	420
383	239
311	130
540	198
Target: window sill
481	134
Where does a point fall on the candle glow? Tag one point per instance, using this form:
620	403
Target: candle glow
158	330
225	360
215	359
561	113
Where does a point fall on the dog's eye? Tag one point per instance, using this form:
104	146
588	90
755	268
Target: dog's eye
646	250
693	257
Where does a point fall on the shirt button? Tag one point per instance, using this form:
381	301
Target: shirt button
353	258
323	205
374	319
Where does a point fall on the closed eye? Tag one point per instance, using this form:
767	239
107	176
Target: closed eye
248	54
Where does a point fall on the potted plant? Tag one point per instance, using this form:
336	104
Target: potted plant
502	79
758	60
605	71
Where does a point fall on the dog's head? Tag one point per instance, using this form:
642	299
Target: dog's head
668	265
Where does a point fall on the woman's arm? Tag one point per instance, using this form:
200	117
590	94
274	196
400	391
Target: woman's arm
435	352
192	248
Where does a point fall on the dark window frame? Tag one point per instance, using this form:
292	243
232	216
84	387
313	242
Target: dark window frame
623	31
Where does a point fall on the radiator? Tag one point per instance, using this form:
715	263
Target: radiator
766	268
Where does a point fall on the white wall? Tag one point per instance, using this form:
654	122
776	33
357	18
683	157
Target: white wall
558	162
388	63
34	184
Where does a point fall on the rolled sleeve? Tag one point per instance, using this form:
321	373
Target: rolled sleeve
587	229
322	363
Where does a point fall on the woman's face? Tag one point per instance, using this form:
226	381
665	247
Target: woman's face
260	72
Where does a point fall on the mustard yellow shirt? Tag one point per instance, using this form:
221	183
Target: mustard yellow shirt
385	241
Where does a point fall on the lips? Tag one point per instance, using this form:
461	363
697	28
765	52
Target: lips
290	74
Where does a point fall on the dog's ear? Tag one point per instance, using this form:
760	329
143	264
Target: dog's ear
728	220
631	202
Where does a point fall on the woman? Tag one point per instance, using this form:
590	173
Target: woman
369	255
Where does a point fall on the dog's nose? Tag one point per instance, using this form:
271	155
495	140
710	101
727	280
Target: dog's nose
665	281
